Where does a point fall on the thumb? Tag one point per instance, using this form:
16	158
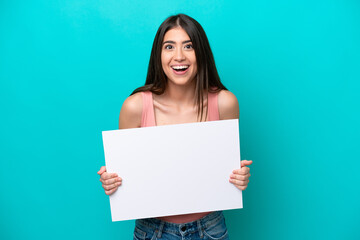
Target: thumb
246	163
102	170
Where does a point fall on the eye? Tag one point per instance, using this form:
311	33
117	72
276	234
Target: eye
168	47
189	46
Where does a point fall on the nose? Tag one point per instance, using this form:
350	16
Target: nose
179	55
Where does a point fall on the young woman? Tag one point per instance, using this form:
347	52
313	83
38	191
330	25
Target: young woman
182	86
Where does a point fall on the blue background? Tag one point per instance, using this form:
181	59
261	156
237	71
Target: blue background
67	66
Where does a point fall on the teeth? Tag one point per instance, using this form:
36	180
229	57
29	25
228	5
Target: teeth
180	67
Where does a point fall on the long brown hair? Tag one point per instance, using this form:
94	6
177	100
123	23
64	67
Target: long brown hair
207	77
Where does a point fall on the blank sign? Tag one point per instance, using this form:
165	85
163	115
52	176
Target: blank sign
173	169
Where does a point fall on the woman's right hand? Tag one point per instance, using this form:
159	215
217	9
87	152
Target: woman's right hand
110	181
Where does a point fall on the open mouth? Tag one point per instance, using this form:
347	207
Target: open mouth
180	68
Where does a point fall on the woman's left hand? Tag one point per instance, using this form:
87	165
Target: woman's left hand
240	177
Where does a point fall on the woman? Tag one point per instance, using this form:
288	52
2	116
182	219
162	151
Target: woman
182	86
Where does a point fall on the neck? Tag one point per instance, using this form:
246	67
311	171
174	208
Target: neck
180	95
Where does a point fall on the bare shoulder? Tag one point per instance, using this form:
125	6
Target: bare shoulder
131	110
228	105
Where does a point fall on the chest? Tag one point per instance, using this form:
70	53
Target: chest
165	115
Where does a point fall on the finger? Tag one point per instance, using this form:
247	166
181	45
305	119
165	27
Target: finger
111	186
102	170
111	180
106	176
239	182
242	171
245	163
111	191
241	187
245	170
240	177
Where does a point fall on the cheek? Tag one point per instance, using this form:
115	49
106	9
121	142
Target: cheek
193	60
195	72
164	60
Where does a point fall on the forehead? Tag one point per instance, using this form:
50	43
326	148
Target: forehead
176	34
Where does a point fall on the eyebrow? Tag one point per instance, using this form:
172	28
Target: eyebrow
187	41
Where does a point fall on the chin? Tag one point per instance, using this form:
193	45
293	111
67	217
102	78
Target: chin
181	82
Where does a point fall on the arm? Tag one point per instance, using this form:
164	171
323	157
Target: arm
130	117
229	109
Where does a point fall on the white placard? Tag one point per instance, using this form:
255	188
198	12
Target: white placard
173	169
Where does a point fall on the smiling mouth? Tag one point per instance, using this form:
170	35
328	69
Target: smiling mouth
180	68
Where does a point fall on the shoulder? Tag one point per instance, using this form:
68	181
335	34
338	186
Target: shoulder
228	105
133	104
131	111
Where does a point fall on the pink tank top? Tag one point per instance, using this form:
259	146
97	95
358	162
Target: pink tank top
148	115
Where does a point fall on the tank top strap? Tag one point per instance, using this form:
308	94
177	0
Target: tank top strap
213	107
147	116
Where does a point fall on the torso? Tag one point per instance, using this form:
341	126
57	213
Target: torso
164	114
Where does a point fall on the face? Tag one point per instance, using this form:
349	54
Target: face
178	57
